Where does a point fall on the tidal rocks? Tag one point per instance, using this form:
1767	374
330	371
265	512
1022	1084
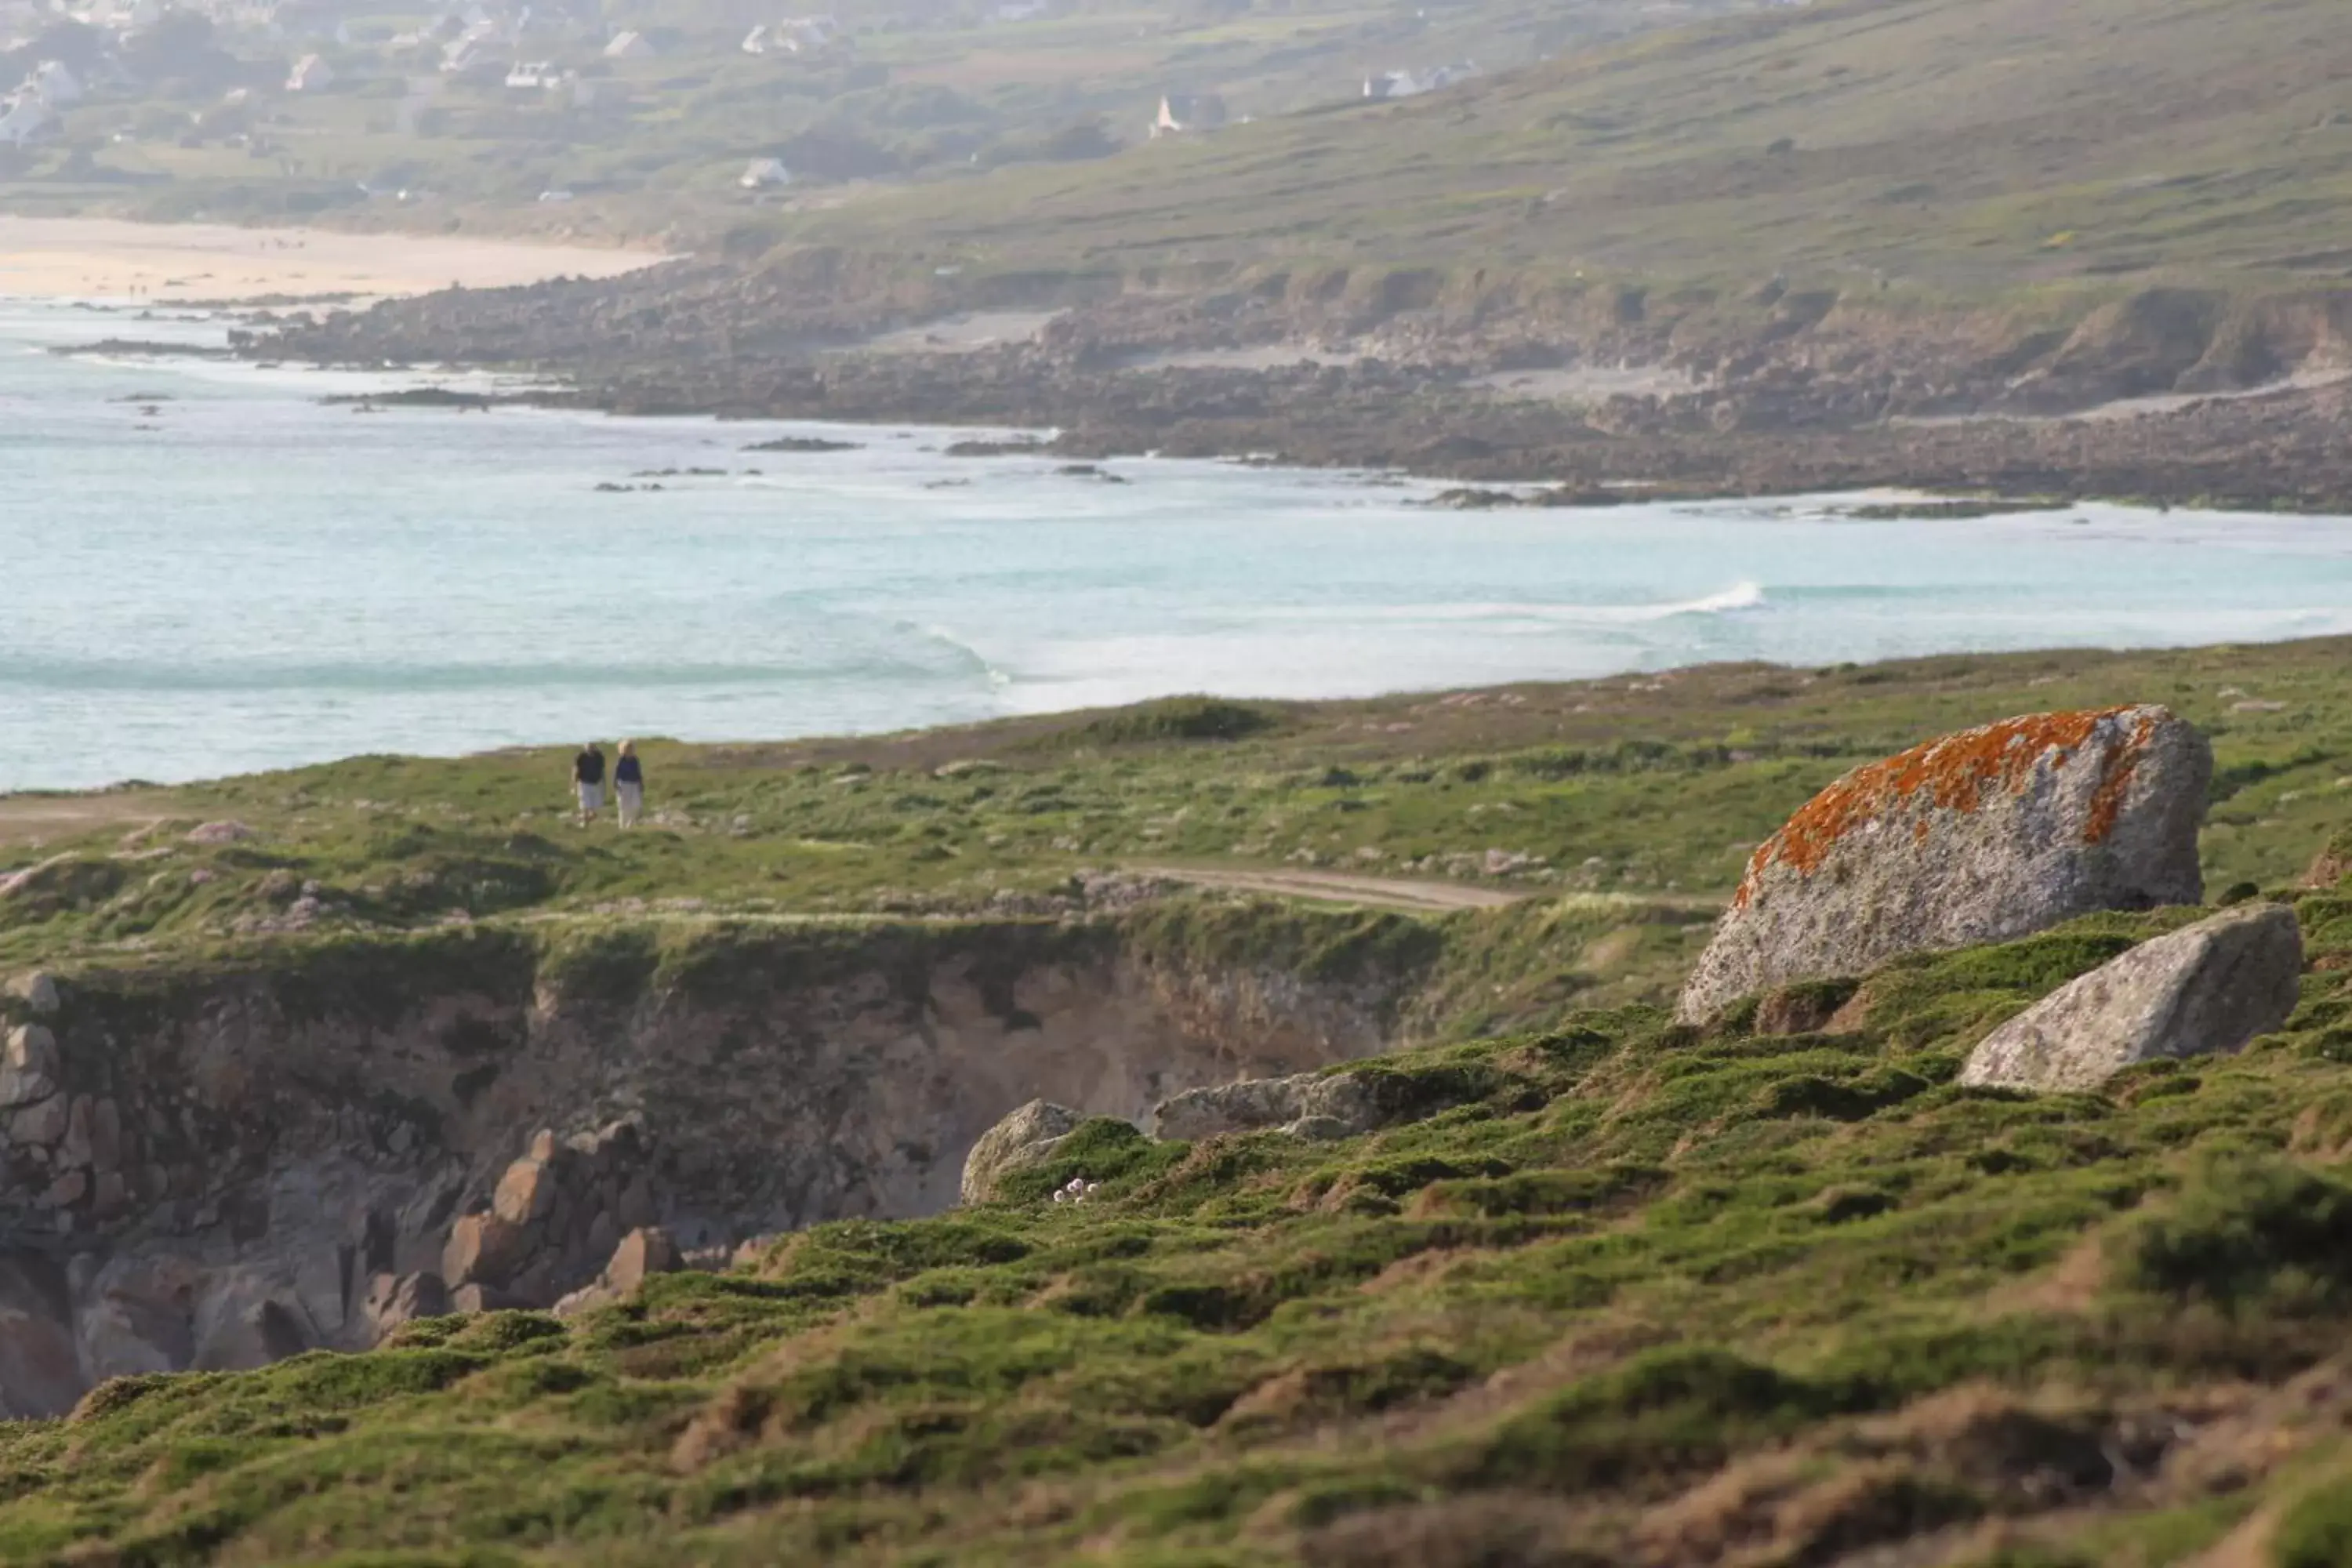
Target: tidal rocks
1980	836
1026	1136
2199	992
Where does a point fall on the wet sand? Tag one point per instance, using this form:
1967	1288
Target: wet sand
108	258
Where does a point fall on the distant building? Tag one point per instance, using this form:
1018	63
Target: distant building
533	76
1182	112
806	35
759	40
310	73
630	45
764	174
1412	84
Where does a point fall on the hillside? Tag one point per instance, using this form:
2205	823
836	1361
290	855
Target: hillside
422	119
1949	146
1602	1290
1986	246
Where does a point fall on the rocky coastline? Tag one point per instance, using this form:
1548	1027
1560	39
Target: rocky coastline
2166	398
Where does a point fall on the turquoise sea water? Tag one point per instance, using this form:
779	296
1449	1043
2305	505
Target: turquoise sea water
245	577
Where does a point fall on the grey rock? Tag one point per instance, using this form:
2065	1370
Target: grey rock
29	1066
1309	1105
36	991
1026	1136
2205	990
1980	836
41	1124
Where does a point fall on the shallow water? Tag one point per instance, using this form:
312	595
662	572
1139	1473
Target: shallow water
246	577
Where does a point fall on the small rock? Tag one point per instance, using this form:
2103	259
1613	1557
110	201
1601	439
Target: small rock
397	1298
473	1299
483	1248
2202	991
37	991
40	1124
66	1190
29	1067
1980	836
643	1253
526	1192
220	833
1026	1138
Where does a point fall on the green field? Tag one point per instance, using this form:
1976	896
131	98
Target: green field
1940	147
1615	1292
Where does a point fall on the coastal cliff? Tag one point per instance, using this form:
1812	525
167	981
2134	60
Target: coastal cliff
223	1165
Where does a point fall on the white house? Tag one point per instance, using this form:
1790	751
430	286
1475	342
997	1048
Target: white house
1180	112
630	45
25	122
806	35
1412	84
534	75
310	73
765	173
758	41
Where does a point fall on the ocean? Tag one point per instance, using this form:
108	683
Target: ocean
210	570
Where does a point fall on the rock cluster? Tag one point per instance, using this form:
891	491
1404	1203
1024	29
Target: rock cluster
2205	990
556	1214
1978	837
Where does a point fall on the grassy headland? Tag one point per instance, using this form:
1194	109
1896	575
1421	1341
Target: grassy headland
1626	1293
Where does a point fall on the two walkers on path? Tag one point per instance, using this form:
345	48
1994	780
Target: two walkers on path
628	782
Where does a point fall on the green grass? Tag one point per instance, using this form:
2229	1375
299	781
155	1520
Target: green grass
1612	1262
1940	149
1609	1290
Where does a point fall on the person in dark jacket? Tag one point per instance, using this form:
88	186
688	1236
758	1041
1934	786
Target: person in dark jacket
588	782
629	784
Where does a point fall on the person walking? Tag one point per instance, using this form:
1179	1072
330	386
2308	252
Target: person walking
588	782
629	784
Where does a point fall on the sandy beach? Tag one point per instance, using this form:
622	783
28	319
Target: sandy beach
105	259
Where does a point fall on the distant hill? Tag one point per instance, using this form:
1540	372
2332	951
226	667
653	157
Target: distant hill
1953	146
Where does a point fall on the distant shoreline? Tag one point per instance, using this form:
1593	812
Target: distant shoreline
118	259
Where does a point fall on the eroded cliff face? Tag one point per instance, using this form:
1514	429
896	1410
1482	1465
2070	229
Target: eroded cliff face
219	1167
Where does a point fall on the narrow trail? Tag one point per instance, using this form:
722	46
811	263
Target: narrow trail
1338	886
36	818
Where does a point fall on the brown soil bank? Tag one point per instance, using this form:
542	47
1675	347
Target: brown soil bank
237	1162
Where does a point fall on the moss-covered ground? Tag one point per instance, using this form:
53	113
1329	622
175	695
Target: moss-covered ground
1622	1293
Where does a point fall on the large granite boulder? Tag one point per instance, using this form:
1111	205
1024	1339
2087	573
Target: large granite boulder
1983	835
1026	1136
2208	989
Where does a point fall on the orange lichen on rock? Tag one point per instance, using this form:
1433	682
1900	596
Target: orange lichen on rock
1956	773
